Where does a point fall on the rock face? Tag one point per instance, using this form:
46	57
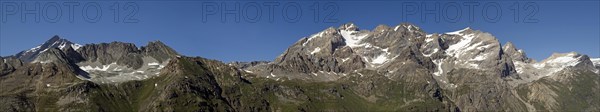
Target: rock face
9	64
120	62
399	68
516	54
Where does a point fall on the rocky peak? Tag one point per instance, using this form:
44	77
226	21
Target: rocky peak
54	42
107	53
72	55
381	28
514	53
349	27
159	50
54	38
509	45
120	62
407	27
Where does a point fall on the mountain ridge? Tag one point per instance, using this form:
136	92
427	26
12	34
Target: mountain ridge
399	68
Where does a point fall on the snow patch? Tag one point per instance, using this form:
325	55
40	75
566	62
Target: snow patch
596	61
435	50
410	28
62	45
320	34
46	61
35	49
520	51
479	57
98	68
429	35
153	64
345	59
382	58
519	66
462	46
75	46
438	63
44	50
568	60
316	50
352	38
428	39
458	32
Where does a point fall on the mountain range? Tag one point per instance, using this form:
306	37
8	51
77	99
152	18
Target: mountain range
398	68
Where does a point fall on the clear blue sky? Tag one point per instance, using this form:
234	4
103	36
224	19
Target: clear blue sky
562	26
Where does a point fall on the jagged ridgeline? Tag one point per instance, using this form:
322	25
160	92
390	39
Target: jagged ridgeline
399	68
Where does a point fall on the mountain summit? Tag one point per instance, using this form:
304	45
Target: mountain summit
54	42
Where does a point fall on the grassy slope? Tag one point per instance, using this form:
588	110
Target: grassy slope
579	94
197	84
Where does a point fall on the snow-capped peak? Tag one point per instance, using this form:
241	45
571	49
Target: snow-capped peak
409	27
352	35
508	45
54	42
562	59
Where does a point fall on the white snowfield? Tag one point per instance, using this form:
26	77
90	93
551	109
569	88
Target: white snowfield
457	54
76	46
114	73
353	38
